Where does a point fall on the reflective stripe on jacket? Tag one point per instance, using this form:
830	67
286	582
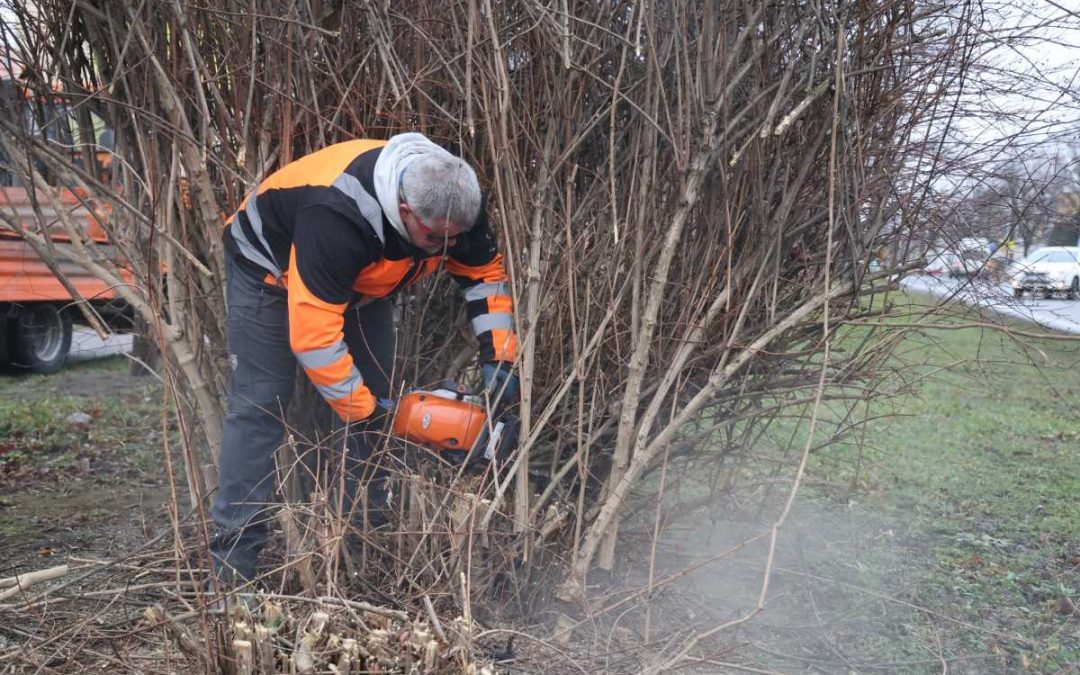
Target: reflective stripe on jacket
316	227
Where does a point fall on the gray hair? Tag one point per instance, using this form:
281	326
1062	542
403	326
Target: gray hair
442	186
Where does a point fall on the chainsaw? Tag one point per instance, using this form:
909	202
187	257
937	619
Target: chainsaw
454	423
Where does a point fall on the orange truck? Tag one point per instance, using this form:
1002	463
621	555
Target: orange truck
36	309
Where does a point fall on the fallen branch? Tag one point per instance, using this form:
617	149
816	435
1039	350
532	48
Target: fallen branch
21	582
435	623
157	615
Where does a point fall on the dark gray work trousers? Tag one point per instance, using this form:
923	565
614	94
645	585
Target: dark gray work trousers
263	369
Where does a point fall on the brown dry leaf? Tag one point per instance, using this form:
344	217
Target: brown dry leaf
1065	607
973	562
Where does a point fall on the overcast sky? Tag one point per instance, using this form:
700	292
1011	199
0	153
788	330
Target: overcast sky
1029	82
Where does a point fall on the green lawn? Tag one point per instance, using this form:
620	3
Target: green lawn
981	467
91	412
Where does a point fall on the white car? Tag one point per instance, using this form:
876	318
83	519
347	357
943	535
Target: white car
1054	269
963	258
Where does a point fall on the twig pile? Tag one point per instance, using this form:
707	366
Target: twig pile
268	638
89	620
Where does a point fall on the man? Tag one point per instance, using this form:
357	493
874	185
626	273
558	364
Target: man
311	260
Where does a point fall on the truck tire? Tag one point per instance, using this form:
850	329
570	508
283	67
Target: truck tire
40	338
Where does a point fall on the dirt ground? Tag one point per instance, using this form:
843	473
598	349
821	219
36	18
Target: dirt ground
92	518
80	473
855	588
842	593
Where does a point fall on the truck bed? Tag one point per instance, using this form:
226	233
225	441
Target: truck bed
23	275
25	278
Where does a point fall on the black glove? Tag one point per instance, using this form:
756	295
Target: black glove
380	419
500	383
368	434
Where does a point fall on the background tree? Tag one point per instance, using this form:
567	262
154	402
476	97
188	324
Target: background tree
1065	213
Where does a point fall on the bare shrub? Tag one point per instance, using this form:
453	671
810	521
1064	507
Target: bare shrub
690	195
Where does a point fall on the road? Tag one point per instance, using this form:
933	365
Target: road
1055	314
86	345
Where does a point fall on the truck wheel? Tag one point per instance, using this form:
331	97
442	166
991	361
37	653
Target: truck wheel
1018	293
40	338
1074	288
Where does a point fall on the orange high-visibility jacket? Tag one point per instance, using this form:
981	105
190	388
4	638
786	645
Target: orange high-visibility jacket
316	227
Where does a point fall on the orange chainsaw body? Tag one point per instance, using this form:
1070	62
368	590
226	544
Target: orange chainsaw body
439	422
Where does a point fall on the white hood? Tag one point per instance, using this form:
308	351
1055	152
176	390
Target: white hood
1054	270
392	163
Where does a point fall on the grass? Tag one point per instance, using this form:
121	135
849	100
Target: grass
59	434
89	407
980	469
942	533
